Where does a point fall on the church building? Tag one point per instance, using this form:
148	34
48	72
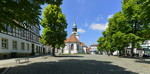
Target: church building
73	44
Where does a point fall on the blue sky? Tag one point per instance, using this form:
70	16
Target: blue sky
91	17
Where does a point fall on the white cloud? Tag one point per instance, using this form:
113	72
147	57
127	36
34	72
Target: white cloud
98	26
110	16
80	30
99	18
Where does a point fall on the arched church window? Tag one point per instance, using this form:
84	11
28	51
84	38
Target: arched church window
77	46
72	46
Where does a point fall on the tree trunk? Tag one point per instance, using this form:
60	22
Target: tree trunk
133	45
111	52
123	51
53	51
132	52
134	32
119	52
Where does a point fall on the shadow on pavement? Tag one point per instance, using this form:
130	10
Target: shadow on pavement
35	56
138	59
2	69
71	66
143	61
68	56
127	57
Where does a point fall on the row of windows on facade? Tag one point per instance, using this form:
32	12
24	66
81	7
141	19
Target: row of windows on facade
23	34
39	49
14	44
33	28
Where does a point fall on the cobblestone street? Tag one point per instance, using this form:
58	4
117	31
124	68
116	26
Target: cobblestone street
78	64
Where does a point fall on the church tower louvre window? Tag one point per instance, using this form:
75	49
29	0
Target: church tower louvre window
74	30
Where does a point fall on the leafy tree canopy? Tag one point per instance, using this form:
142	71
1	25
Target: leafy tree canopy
54	24
14	12
129	26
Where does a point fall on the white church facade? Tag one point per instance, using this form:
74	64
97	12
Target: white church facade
73	44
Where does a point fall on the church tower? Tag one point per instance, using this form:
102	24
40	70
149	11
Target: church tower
74	30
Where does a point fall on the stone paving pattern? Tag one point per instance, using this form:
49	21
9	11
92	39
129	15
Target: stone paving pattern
78	64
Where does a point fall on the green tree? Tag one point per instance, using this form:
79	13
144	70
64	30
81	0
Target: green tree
101	44
119	41
54	24
16	12
130	26
144	6
116	30
115	34
105	43
132	11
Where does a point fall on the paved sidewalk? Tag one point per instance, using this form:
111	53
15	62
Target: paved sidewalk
12	62
78	64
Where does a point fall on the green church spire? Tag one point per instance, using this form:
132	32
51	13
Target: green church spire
74	25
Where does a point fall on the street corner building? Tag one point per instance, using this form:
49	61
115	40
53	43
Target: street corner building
20	41
72	44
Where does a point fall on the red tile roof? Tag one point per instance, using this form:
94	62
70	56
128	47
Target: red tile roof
88	48
94	45
83	44
72	38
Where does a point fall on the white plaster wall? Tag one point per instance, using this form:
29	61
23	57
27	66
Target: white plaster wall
84	48
75	48
147	42
116	53
134	50
93	48
10	39
130	46
68	47
48	49
81	50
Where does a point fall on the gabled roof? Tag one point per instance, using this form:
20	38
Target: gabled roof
88	48
72	38
83	44
94	45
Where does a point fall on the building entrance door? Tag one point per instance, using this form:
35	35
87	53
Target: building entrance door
33	49
43	50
